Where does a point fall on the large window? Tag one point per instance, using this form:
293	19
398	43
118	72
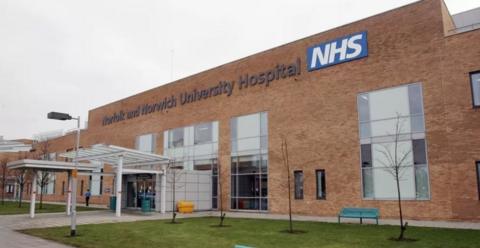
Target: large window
321	185
475	83
249	162
298	182
146	143
391	121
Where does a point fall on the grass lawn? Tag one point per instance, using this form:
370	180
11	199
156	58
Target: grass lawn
12	208
198	232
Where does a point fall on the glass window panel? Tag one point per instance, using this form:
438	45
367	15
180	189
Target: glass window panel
234	203
385	185
248	185
214	186
264	164
298	177
176	137
248	126
234	186
264	186
363	108
214	203
248	203
367	179
233	128
321	191
263	124
381	153
203	133
145	143
366	152
264	203
421	182
234	165
415	99
417	123
475	78
365	131
419	153
248	164
388	103
388	127
206	164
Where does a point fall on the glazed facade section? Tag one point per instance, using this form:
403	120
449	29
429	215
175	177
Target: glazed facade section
339	122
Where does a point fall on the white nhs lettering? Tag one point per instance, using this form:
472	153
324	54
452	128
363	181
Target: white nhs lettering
337	51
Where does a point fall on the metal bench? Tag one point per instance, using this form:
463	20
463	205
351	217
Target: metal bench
242	246
362	213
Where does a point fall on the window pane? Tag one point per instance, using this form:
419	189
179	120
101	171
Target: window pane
264	186
421	182
365	131
367	179
321	191
388	103
419	154
263	124
366	152
415	99
248	185
298	175
476	88
145	143
203	133
363	108
264	203
248	164
248	203
233	128
176	137
248	126
417	124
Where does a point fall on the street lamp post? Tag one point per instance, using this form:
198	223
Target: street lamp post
73	216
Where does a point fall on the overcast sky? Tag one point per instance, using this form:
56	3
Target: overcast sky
72	56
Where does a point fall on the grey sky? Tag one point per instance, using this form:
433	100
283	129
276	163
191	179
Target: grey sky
72	56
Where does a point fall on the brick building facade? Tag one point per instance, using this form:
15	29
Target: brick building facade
415	49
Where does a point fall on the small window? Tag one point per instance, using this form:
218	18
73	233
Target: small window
478	178
475	83
298	175
321	190
145	143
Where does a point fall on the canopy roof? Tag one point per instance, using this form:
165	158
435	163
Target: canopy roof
47	165
110	154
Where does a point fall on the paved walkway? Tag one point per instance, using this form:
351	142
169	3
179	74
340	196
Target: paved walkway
9	238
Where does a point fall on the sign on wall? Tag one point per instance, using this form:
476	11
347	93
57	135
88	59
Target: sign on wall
337	51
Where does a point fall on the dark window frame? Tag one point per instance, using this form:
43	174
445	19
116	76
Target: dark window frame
477	166
324	184
301	197
470	75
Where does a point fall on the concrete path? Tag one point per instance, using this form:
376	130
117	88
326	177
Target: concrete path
9	238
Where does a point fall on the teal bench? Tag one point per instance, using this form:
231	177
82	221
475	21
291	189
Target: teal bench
242	246
362	213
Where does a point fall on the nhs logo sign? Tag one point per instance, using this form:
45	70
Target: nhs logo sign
337	51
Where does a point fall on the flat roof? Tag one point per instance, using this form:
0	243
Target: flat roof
47	165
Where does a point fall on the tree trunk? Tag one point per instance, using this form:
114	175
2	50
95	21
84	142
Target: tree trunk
402	227
40	206
21	195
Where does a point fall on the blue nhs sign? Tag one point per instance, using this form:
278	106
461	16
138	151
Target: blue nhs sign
337	51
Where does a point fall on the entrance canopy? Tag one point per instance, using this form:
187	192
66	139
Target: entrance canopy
134	161
51	166
109	154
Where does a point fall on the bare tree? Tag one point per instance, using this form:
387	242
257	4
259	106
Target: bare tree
219	192
396	162
175	172
286	163
21	177
3	164
43	177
